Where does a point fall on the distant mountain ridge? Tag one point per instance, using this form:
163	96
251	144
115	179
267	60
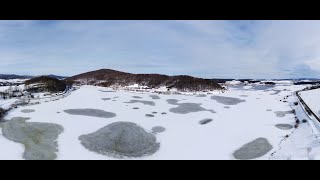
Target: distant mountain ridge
57	77
13	76
109	77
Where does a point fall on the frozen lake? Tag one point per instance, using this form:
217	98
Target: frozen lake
217	126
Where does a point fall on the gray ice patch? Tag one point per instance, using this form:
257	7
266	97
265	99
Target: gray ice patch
155	97
137	97
284	126
282	113
90	112
107	91
253	150
150	103
121	139
185	108
276	92
205	121
201	95
158	129
39	139
28	110
106	99
149	115
261	87
173	101
254	87
227	100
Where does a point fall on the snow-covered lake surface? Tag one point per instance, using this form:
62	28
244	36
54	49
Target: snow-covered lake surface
244	125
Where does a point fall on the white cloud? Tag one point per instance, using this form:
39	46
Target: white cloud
241	49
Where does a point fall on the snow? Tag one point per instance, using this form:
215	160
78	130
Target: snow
6	103
312	98
184	137
234	82
13	80
3	88
10	150
303	143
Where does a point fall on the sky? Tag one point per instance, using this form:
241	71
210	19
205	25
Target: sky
208	49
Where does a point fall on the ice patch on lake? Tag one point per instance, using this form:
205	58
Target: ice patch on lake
106	99
227	100
39	139
28	110
158	129
276	92
173	101
137	97
150	103
253	87
262	87
284	126
253	150
186	108
244	96
107	91
282	113
149	115
201	95
155	97
90	112
205	121
121	139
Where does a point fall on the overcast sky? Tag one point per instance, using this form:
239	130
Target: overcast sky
211	49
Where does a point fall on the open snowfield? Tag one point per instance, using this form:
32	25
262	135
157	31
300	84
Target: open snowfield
191	127
312	98
13	80
7	103
3	88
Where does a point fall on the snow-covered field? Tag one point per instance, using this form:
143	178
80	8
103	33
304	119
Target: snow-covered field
13	80
249	114
5	104
312	98
3	88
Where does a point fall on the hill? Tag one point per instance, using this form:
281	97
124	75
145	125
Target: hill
108	77
45	83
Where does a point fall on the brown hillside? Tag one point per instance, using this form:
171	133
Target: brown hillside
108	77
